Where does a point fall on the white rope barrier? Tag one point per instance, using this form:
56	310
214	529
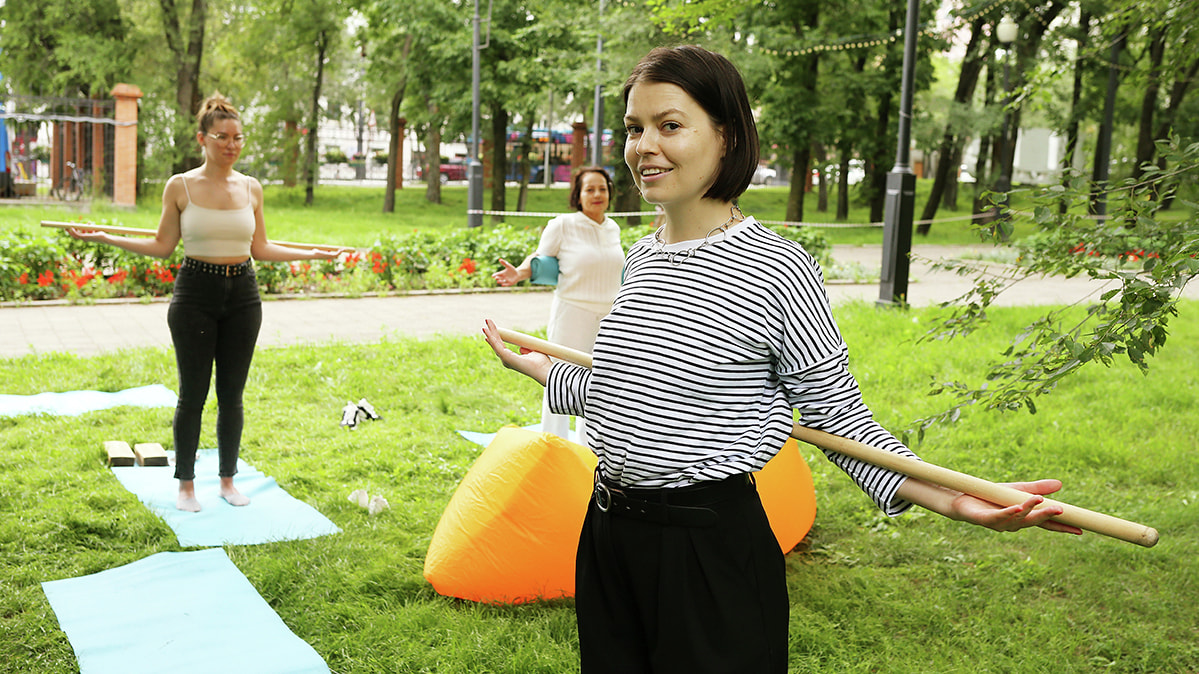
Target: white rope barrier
31	117
531	214
784	223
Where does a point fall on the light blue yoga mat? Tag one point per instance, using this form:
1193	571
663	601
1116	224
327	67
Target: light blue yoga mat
74	403
485	439
176	612
273	514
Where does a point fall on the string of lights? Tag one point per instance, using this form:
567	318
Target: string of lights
959	20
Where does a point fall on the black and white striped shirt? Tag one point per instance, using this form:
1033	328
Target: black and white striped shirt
699	365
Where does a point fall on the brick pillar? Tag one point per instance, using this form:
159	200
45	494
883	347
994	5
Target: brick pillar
56	155
399	167
124	153
578	147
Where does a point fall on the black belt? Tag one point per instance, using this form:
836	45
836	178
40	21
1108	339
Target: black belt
218	269
682	506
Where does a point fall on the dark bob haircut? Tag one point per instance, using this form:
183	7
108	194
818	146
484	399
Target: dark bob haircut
576	185
714	83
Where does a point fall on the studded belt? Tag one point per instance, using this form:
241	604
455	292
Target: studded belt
218	269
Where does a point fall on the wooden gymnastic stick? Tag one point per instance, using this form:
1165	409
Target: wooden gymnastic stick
134	231
922	470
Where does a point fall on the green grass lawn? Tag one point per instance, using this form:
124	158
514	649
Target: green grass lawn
353	216
868	594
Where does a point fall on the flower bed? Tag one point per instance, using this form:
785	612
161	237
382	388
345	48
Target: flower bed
56	267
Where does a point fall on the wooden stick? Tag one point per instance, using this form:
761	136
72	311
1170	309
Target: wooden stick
134	231
922	470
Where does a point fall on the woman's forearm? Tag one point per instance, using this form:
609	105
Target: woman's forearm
929	496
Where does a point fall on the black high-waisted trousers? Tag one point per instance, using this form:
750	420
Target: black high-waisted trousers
214	319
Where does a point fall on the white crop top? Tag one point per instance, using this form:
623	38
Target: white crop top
216	232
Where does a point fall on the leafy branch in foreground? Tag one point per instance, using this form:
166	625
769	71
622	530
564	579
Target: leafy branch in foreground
1146	252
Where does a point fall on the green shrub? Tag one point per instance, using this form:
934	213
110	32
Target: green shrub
60	267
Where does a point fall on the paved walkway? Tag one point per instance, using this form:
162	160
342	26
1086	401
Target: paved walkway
91	329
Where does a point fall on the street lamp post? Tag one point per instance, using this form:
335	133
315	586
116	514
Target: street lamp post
474	167
597	146
900	201
1006	33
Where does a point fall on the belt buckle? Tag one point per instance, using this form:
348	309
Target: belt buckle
603	497
228	270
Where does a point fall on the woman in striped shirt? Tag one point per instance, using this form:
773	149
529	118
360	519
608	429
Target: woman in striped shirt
720	331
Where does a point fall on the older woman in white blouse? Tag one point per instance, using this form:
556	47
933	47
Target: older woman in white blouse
587	246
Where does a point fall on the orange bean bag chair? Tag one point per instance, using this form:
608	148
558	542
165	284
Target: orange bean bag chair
509	533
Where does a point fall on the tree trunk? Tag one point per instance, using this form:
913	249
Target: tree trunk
1178	92
822	187
312	161
499	160
627	199
291	151
953	184
393	149
876	175
951	141
1084	29
843	151
1145	147
984	167
187	75
526	149
800	159
433	158
874	168
1101	167
1026	50
393	126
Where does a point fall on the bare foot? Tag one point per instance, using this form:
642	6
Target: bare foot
187	500
231	495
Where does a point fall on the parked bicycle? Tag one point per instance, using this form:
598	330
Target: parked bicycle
74	185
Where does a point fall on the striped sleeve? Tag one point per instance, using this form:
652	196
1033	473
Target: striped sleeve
566	388
813	369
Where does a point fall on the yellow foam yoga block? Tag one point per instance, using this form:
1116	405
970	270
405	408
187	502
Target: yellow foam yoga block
509	533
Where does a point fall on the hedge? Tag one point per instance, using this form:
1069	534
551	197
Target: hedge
56	266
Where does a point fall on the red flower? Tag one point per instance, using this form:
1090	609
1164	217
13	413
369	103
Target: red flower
78	279
378	263
118	277
468	265
162	273
23	278
45	278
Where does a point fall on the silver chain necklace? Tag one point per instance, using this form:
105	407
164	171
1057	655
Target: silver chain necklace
677	257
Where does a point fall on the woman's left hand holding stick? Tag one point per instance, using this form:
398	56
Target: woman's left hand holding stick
528	362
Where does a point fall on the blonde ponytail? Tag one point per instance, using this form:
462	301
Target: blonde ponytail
215	108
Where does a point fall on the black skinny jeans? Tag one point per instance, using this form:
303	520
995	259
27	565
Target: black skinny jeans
213	319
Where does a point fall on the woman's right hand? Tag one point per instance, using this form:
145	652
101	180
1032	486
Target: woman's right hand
84	234
508	276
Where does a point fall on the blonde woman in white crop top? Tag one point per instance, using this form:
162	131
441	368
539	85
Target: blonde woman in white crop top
215	311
